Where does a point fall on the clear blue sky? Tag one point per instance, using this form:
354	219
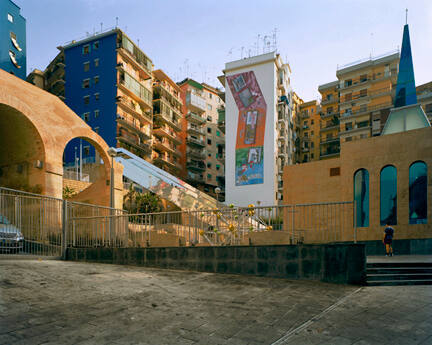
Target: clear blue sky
194	37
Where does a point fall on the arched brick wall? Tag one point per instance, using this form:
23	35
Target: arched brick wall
56	124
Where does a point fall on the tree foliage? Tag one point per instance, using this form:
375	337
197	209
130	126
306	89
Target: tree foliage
136	202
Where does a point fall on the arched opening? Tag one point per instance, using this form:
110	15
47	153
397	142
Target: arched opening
22	153
418	193
84	164
361	197
388	195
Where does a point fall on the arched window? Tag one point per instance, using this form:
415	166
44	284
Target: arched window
388	195
418	193
361	197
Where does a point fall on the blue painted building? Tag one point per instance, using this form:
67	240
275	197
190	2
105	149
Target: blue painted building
107	82
12	39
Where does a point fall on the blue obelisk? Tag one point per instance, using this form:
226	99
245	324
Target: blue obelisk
405	88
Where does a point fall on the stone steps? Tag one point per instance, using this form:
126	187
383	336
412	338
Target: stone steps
398	273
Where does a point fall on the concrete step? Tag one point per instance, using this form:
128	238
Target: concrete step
398	282
398	273
406	276
398	270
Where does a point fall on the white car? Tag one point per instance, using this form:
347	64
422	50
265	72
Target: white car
11	238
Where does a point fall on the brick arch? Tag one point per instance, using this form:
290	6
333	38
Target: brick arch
56	125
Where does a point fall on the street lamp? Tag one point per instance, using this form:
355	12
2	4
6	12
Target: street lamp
217	191
112	153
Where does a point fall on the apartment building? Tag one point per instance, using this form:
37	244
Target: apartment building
329	118
424	97
13	48
309	129
296	102
167	108
203	141
107	80
366	94
260	129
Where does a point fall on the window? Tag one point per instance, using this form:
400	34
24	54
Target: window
418	193
209	118
348	82
10	17
312	145
363	93
209	176
361	197
96	45
86	150
217	133
208	141
210	95
208	130
86	66
86	99
217	167
96	80
96	62
329	110
209	165
97	94
209	107
363	78
348	97
348	139
86	49
96	113
312	122
209	155
388	195
312	133
13	59
312	155
86	117
86	83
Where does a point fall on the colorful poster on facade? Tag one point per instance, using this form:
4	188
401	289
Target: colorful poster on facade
249	157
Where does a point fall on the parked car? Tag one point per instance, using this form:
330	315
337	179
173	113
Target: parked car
11	238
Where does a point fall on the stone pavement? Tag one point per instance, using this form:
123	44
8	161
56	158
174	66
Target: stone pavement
57	302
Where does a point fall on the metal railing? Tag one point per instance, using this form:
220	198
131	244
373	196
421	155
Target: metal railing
39	225
301	223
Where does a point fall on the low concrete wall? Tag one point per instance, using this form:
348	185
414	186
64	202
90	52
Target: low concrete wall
400	247
336	263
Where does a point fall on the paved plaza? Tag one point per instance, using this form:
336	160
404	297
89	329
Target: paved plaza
57	302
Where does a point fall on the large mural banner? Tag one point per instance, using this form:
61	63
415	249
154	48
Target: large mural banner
249	154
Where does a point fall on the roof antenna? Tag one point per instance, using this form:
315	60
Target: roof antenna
116	22
406	16
101	26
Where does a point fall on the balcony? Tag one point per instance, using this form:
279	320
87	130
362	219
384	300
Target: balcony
131	126
327	115
195	130
165	159
195	165
141	147
167	132
165	145
329	101
192	117
365	110
329	140
168	119
195	141
329	153
133	55
162	91
221	157
196	154
134	109
332	126
195	102
355	129
135	90
193	177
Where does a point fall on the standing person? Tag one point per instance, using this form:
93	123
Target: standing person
388	240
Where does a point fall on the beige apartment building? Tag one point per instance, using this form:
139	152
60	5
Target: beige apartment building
366	94
309	131
167	107
203	145
424	97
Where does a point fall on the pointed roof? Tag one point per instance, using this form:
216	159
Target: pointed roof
407	114
405	88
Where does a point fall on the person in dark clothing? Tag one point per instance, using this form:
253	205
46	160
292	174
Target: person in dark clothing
388	240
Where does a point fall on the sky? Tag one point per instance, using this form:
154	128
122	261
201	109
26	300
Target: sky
195	38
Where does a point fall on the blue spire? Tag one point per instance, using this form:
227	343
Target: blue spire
405	89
